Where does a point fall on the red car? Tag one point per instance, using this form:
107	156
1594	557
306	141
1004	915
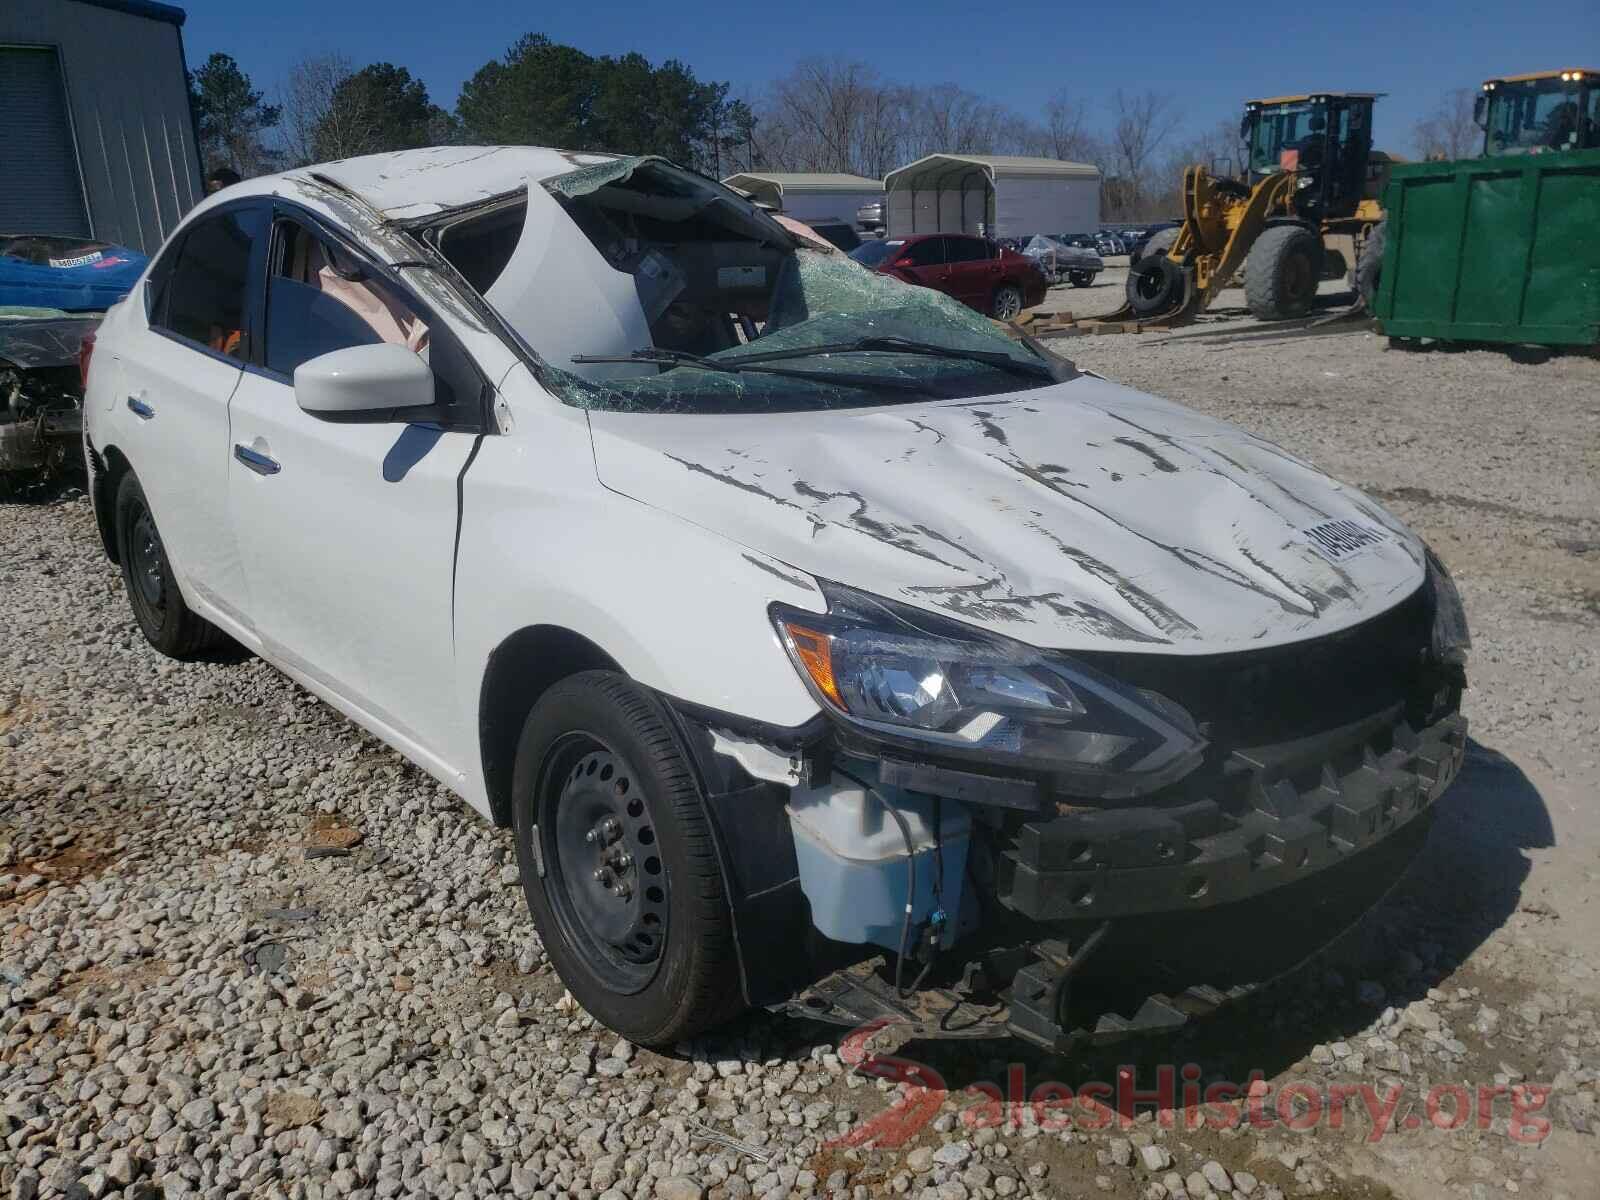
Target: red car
980	274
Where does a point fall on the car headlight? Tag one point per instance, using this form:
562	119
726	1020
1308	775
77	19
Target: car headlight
1451	641
902	675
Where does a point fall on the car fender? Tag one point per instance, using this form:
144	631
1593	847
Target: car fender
678	607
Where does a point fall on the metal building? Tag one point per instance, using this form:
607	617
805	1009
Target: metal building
96	136
809	195
1001	195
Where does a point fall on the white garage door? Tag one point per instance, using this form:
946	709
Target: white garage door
40	190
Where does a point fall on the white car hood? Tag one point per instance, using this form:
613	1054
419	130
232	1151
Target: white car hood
1082	515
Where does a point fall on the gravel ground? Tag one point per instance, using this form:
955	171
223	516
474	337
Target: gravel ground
190	1004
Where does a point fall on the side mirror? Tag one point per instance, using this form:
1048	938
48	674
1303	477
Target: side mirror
363	381
1244	128
1480	112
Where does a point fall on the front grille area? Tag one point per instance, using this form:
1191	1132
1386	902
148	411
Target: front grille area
1256	697
1317	751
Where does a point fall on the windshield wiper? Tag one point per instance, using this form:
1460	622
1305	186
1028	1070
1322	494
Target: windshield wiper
893	344
680	358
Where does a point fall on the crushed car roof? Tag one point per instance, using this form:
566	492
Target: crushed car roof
417	183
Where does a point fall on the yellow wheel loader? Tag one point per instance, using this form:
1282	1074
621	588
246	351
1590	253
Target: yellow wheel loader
1305	212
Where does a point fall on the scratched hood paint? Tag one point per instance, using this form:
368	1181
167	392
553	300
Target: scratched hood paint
1083	515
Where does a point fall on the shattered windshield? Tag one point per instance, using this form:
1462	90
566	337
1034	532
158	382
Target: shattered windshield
821	302
642	286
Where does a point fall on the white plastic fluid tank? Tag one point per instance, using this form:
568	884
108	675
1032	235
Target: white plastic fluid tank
853	864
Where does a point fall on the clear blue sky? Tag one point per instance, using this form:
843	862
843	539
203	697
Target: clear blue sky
1016	53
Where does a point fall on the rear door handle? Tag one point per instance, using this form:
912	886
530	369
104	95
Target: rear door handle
140	409
258	462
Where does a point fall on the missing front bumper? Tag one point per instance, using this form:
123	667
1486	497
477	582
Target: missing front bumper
1312	803
1334	823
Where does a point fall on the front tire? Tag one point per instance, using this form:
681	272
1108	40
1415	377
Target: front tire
618	863
167	623
1281	273
1007	302
1081	278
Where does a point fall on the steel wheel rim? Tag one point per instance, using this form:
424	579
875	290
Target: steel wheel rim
1149	285
605	879
149	562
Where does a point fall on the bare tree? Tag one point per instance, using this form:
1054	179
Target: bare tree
838	115
1449	132
817	116
307	95
1141	124
1065	130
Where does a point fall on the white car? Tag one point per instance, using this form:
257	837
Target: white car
827	644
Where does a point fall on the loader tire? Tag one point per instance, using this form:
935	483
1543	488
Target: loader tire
1281	273
1159	243
1369	266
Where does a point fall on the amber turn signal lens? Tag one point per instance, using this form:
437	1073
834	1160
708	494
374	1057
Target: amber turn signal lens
816	655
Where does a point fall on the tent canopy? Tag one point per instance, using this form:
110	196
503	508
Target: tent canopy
996	194
770	187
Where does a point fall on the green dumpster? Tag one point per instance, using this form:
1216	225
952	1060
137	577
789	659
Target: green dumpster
1502	249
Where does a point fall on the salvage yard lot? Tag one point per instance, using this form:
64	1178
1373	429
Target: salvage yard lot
189	1003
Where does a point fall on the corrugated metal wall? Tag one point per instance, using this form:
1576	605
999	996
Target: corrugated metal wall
130	113
956	200
1030	204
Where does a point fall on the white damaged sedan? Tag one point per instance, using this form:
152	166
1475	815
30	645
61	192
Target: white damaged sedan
827	645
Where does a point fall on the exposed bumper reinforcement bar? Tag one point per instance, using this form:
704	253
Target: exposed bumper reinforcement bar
1335	825
1313	804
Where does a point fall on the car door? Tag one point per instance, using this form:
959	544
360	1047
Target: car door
971	270
347	528
922	262
177	374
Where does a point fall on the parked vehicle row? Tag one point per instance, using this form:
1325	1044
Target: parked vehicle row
825	647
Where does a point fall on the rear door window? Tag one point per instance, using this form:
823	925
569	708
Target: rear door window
967	249
927	253
204	296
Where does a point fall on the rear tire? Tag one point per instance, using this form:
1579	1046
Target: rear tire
167	623
635	917
1369	267
1281	273
1006	305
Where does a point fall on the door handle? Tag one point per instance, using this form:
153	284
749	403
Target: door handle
258	462
140	409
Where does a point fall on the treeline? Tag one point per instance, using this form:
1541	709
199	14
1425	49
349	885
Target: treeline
824	115
539	93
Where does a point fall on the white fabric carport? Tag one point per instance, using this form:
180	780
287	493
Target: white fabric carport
808	195
1000	195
